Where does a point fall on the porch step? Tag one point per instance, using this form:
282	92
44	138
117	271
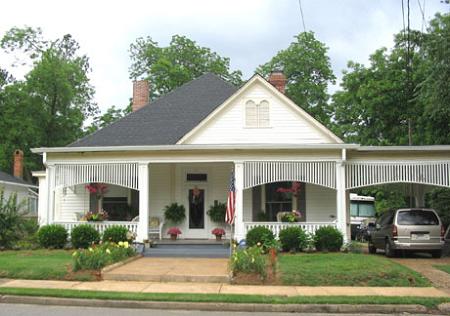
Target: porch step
188	250
191	242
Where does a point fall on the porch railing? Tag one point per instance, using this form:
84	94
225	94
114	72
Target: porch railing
275	227
100	226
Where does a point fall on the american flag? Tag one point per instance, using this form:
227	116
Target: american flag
229	216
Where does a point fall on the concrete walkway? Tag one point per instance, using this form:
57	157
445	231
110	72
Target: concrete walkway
171	270
223	288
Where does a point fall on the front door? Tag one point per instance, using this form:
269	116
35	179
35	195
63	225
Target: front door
196	212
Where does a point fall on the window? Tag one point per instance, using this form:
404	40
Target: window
417	217
362	208
277	200
202	177
257	114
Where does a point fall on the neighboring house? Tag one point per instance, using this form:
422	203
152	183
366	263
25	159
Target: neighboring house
25	192
182	147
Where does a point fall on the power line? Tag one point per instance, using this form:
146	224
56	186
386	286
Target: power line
422	12
301	14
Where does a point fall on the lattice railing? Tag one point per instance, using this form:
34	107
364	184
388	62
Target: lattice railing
361	174
316	172
122	174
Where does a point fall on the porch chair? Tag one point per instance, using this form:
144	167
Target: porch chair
155	225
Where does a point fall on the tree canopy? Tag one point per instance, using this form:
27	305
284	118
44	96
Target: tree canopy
169	67
49	106
402	97
307	68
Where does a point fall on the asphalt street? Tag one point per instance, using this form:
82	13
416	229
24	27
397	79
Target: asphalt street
41	310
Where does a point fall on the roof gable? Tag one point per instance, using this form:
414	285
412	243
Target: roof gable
288	122
167	119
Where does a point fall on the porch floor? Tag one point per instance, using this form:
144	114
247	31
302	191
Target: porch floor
188	248
171	270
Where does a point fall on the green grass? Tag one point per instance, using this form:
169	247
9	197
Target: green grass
225	298
340	269
443	267
39	265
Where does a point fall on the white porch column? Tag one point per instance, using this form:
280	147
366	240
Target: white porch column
143	184
239	229
50	176
341	202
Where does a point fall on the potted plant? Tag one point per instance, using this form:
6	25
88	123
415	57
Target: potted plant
175	213
95	217
218	232
217	212
98	190
174	232
291	217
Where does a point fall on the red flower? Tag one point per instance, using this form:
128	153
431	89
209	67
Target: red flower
218	231
174	231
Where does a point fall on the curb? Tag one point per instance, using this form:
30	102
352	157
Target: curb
120	263
236	307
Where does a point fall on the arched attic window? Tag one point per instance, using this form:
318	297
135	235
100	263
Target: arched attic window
257	114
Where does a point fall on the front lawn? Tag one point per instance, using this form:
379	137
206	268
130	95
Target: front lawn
443	267
39	265
430	302
345	269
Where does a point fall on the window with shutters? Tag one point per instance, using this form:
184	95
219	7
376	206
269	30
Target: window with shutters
257	114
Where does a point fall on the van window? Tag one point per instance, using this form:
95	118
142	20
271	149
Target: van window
417	217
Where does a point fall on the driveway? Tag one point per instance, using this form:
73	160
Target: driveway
424	266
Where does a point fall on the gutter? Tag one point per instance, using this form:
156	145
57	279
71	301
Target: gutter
19	184
42	150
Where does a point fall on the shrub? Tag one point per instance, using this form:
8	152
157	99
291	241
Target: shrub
328	238
84	236
217	212
98	256
293	239
175	213
10	220
52	236
115	234
259	234
250	260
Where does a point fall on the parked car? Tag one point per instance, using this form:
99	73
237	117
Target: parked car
408	229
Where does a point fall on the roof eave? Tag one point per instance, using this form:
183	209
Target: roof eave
192	147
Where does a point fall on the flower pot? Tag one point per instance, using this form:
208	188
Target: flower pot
173	236
218	237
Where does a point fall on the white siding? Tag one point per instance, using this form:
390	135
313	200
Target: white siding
21	192
320	204
286	125
71	203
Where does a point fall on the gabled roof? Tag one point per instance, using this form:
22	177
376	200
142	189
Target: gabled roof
7	178
167	119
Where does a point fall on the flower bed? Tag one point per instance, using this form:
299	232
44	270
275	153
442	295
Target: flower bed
99	256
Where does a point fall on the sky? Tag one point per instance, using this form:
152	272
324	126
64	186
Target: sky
249	32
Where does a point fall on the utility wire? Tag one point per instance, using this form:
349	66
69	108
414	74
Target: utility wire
422	12
301	14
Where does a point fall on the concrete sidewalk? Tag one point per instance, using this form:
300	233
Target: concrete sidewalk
224	288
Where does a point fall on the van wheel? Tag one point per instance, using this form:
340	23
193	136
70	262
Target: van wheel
436	254
372	248
388	251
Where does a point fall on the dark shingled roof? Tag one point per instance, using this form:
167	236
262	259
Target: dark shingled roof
9	178
167	119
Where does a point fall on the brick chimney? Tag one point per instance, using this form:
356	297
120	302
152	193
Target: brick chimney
141	94
278	80
18	164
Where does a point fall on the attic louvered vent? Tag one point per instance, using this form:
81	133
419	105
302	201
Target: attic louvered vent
257	114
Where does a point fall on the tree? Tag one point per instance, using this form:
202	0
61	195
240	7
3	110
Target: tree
169	67
49	106
403	96
111	115
307	68
435	88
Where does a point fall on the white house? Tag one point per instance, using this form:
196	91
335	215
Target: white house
183	146
25	192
